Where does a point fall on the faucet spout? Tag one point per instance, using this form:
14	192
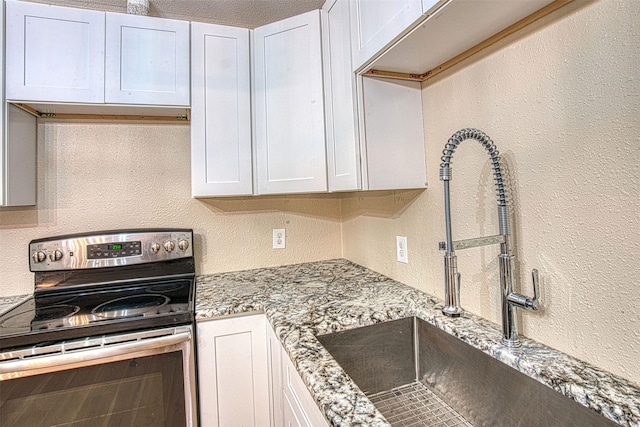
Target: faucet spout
510	300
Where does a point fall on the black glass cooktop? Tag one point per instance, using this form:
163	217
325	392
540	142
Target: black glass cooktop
60	315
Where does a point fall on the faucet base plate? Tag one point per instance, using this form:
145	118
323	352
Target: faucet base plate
452	311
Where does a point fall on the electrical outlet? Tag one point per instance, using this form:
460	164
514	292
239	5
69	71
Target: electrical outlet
401	249
279	238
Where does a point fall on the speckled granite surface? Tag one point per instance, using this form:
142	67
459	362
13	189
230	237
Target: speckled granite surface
305	300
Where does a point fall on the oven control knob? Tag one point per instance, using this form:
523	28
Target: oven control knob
183	245
155	248
56	255
169	246
39	256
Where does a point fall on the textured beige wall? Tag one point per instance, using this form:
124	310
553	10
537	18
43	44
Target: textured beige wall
122	175
561	101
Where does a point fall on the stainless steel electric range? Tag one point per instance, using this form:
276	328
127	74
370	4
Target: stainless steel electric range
107	338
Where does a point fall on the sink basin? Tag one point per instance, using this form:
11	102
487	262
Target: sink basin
414	372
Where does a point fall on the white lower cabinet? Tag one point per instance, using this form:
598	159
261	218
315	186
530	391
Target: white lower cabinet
233	372
245	377
291	402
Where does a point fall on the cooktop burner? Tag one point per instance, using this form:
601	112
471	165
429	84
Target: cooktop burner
102	284
134	305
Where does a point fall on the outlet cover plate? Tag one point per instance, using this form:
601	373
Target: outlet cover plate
401	249
279	238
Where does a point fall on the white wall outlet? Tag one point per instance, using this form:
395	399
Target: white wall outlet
401	249
279	238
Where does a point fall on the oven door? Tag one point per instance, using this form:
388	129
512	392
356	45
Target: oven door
136	379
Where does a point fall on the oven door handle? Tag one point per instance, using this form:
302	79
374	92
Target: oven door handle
107	352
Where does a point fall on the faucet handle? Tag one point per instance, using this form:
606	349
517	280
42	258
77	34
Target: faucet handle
523	301
536	287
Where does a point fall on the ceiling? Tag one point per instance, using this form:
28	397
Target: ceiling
237	13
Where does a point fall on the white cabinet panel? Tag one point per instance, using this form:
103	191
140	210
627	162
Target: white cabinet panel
18	168
233	372
376	23
394	134
221	111
343	146
147	60
289	113
54	53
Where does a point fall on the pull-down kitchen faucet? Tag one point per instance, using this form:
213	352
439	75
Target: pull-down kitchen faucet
510	299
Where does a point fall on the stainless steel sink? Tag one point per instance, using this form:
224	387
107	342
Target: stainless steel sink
416	374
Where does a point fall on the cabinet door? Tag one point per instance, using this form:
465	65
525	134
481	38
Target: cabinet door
147	60
220	111
292	404
233	372
289	112
275	369
376	23
343	144
54	53
296	395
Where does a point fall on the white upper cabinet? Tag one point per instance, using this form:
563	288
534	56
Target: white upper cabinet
54	53
343	143
17	147
392	128
221	161
445	29
376	23
375	136
77	56
289	112
147	60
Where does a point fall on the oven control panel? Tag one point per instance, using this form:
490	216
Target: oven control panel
109	249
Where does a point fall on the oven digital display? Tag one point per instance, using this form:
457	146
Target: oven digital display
114	250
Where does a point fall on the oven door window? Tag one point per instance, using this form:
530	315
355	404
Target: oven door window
148	388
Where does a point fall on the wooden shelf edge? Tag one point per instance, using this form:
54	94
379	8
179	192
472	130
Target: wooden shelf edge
111	117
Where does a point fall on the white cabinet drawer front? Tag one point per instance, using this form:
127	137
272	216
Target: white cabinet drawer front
147	60
54	53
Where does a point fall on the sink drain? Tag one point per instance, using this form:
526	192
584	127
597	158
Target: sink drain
414	405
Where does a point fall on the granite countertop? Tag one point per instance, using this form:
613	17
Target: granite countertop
304	300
